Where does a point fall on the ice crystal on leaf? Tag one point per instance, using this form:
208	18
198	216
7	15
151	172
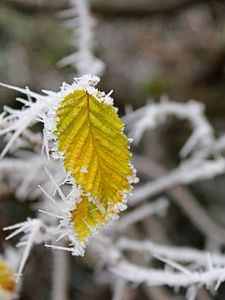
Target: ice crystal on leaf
83	130
88	133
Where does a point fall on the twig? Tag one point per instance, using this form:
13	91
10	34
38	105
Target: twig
60	275
79	19
183	198
152	115
119	289
153	277
186	173
179	254
32	230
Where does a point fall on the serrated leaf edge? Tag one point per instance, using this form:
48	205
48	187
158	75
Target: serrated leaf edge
86	83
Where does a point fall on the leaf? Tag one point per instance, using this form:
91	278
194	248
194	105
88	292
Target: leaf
95	152
7	279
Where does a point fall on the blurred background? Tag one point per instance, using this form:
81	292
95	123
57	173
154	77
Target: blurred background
151	48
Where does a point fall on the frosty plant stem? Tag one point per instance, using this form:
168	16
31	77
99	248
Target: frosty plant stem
60	275
79	19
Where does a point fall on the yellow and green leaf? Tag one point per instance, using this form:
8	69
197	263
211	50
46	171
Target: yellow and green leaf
95	152
7	279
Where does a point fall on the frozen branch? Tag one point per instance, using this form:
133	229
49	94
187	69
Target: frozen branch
34	233
215	149
82	24
60	275
179	254
119	289
153	115
154	277
26	172
182	197
209	269
188	172
18	120
201	144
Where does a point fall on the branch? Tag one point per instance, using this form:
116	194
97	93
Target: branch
23	175
183	198
186	173
60	275
179	254
79	19
153	277
35	232
177	276
152	115
119	289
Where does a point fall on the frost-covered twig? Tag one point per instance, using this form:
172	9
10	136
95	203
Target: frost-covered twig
202	144
17	120
188	172
152	115
209	269
180	254
154	277
119	288
26	172
216	148
182	197
60	275
82	23
34	233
